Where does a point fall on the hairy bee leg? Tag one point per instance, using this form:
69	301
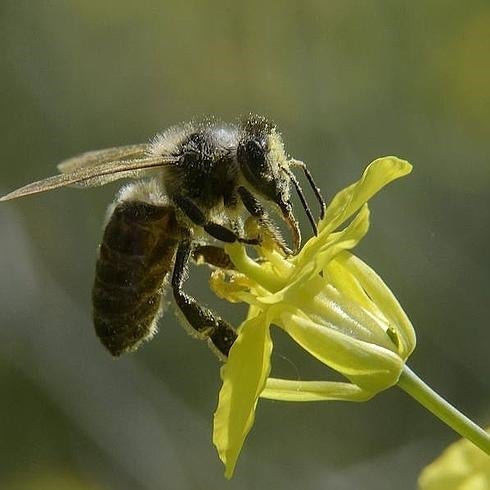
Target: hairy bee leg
207	324
212	255
216	230
256	210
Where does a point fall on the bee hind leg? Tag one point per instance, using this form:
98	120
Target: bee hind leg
206	324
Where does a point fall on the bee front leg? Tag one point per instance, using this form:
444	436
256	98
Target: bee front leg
257	211
220	232
206	324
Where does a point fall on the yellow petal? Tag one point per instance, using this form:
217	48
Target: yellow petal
260	273
321	249
331	308
462	466
244	376
311	391
377	174
318	252
344	280
234	287
367	365
382	296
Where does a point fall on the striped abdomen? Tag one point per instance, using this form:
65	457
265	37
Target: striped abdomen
136	253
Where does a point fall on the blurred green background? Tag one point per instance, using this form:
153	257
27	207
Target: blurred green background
346	82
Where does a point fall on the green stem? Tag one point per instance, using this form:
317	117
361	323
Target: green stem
428	398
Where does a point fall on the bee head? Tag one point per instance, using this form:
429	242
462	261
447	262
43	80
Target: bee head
264	165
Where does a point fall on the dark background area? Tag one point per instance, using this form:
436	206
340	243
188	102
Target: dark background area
346	82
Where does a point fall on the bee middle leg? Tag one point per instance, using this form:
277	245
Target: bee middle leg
216	230
207	324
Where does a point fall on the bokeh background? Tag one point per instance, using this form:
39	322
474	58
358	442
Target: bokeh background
346	82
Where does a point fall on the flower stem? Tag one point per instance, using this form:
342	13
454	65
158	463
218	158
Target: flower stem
428	398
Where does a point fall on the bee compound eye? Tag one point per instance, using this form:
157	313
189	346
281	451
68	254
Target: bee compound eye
190	156
252	153
255	150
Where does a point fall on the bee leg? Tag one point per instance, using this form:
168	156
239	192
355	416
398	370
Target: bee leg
212	255
220	232
257	211
207	325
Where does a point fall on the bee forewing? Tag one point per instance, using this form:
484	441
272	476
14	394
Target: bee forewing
98	157
92	176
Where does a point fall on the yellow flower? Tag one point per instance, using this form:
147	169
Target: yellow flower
328	301
462	466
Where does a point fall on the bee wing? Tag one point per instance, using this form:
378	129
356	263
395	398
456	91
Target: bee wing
92	175
98	157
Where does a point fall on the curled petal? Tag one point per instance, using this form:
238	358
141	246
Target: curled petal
262	274
377	174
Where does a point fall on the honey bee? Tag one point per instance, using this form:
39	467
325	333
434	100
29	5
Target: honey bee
195	181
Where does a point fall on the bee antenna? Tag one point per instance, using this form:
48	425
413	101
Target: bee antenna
302	198
316	189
